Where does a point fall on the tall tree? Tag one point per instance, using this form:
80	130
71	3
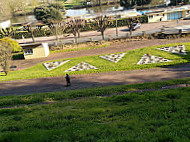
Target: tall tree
30	30
101	24
57	28
131	3
130	21
7	46
47	14
127	3
142	2
5	57
75	26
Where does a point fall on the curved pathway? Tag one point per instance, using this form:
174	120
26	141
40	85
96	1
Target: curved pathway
21	87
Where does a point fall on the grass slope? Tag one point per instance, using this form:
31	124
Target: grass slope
128	62
157	116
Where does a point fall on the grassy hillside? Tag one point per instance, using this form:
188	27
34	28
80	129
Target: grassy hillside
99	114
128	62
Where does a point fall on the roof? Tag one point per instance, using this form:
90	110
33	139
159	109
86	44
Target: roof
4	19
168	11
30	45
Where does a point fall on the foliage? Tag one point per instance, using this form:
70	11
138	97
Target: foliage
47	14
173	2
142	2
18	56
5	56
128	62
131	3
59	6
127	3
13	45
145	116
7	46
8	32
36	33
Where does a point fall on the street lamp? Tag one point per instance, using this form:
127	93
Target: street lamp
116	23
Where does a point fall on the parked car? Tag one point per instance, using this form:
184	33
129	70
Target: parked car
136	26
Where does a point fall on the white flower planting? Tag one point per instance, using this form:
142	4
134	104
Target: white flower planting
113	57
179	49
148	59
53	65
81	66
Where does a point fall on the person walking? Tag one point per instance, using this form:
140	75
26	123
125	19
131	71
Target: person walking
67	77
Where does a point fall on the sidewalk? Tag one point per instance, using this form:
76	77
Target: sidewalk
23	87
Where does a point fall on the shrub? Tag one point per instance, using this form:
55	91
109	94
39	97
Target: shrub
13	45
47	14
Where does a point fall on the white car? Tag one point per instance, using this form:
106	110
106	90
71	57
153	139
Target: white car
136	26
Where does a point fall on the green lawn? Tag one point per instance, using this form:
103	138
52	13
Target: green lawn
159	116
128	62
73	3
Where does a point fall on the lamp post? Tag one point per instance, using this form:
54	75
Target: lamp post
116	24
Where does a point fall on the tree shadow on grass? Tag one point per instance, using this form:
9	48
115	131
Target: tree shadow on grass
180	66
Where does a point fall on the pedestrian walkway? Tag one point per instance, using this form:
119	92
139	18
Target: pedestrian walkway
22	87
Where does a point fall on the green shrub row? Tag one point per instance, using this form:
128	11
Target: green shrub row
37	33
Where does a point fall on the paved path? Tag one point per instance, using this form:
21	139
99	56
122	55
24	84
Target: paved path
30	86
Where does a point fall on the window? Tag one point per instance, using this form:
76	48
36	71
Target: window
28	51
151	16
168	16
187	12
163	14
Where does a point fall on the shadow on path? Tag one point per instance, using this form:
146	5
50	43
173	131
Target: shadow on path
53	84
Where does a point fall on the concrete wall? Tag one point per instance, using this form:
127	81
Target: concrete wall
5	24
156	18
38	52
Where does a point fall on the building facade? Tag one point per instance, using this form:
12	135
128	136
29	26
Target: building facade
168	15
36	50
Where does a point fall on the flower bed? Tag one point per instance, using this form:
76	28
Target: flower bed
148	59
53	65
81	66
113	57
179	49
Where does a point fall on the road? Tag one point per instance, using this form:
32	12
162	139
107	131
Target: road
94	35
